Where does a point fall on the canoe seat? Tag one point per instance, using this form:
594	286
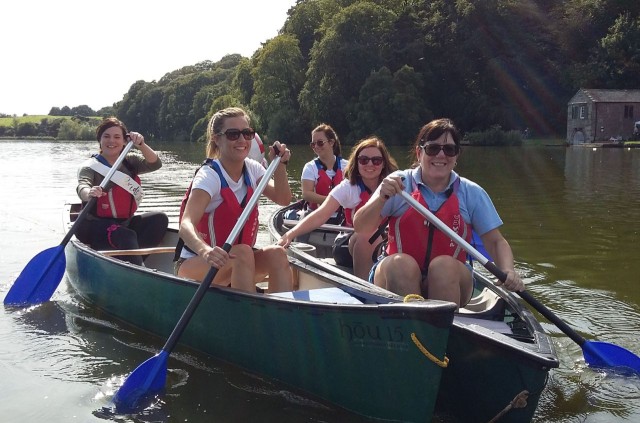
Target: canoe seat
324	295
486	303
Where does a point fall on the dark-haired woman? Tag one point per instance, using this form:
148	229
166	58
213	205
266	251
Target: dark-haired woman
419	258
368	164
326	171
112	225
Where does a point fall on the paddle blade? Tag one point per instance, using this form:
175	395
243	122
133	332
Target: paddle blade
39	279
146	380
602	354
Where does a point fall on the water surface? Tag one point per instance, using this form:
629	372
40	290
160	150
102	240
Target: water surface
571	216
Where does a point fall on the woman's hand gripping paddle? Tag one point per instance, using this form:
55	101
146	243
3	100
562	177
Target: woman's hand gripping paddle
149	377
597	354
39	279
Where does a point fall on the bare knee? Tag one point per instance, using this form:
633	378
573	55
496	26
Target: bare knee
449	280
275	256
399	273
243	253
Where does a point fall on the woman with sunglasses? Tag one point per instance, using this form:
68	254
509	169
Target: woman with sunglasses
419	259
321	174
368	164
214	201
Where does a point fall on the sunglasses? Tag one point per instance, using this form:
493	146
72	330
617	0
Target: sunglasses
364	160
234	134
450	150
319	143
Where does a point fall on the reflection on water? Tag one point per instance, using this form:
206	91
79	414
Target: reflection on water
570	215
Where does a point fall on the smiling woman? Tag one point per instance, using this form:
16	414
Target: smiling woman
437	268
221	188
368	164
111	224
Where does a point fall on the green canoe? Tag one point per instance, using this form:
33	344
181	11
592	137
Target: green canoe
342	342
498	352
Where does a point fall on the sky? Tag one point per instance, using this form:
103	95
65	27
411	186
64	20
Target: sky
74	52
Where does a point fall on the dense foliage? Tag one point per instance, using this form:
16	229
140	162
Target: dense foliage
388	66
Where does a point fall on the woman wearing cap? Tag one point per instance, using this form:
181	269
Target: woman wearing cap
214	202
112	223
419	259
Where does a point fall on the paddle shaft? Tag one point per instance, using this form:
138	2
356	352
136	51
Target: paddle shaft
491	267
92	201
206	282
139	251
324	227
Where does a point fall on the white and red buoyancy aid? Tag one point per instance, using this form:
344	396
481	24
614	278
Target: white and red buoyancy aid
215	227
324	184
123	196
412	234
365	194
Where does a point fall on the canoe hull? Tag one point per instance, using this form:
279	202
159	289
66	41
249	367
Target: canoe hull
494	354
358	357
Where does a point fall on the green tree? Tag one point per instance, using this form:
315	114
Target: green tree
391	106
278	79
83	110
306	20
27	129
618	56
354	45
243	81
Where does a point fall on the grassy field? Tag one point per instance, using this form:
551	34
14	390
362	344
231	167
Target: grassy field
8	121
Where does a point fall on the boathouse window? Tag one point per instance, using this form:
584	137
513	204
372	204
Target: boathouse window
583	112
628	112
574	112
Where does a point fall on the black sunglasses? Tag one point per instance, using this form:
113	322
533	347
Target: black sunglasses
450	150
319	143
234	134
377	160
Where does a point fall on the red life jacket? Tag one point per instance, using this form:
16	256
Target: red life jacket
324	184
215	227
412	234
365	194
118	203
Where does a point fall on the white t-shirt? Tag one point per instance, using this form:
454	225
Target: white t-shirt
310	170
347	195
207	180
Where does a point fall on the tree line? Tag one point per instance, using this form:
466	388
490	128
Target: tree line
388	66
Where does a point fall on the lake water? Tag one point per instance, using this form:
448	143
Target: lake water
571	215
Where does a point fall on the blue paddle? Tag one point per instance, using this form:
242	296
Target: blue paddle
149	377
596	354
41	276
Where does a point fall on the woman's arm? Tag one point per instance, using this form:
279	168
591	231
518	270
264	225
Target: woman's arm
501	252
368	217
149	155
278	190
311	221
193	212
309	193
85	182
